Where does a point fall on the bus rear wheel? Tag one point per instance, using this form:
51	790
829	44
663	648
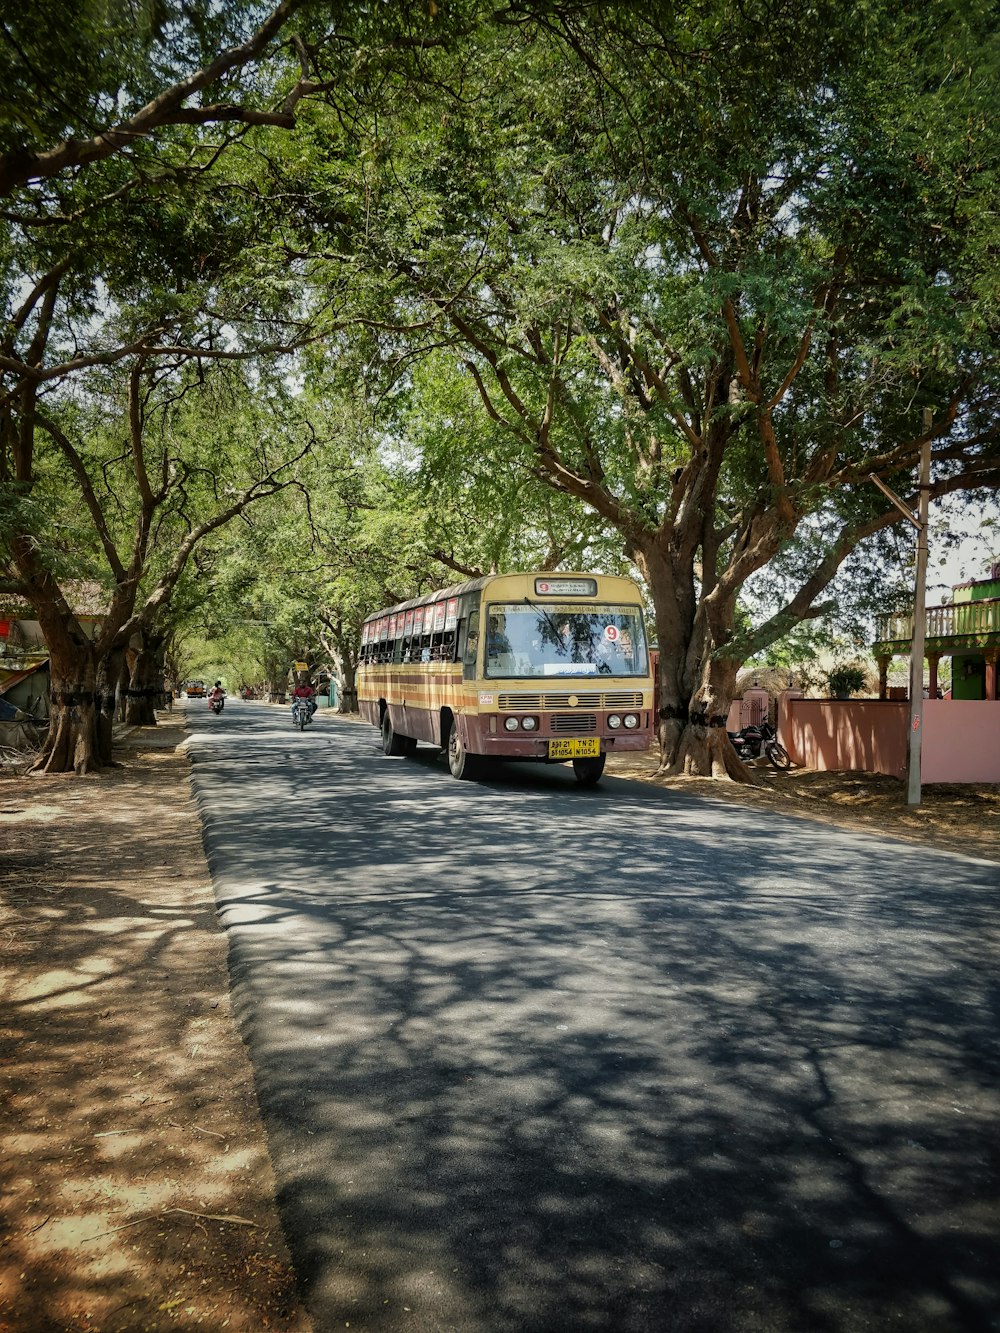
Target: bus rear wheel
588	771
392	744
461	764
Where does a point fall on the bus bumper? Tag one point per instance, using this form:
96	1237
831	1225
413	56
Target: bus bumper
511	745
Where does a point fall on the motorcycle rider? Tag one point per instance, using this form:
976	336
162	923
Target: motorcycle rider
217	696
303	690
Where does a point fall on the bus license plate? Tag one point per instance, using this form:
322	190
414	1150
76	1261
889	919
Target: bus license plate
577	749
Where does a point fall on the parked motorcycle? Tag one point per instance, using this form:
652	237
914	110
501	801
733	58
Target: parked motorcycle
751	742
301	713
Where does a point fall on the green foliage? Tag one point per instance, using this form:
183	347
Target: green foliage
703	301
70	68
576	285
845	678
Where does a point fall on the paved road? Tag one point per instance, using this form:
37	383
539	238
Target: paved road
533	1058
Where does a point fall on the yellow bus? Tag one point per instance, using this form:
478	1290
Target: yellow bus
553	668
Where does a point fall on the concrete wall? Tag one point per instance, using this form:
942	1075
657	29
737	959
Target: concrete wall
961	741
961	737
868	735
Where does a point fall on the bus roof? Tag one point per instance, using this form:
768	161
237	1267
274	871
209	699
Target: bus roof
473	585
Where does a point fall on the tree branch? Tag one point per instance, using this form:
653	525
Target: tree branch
89	494
20	168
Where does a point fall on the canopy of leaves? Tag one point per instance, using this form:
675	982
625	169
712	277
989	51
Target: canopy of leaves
704	270
687	274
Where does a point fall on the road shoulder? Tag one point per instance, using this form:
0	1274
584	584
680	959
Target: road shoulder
137	1187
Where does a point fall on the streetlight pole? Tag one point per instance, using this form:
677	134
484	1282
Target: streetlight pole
914	734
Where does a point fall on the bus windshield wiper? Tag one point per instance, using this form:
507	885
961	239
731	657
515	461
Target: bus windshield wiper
551	623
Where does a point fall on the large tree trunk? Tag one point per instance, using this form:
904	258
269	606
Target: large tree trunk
347	684
704	748
673	632
145	689
72	744
696	684
109	675
275	680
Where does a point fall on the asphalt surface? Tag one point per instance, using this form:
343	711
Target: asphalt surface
538	1058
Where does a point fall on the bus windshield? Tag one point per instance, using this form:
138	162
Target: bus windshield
527	639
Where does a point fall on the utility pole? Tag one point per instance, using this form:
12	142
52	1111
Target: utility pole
914	735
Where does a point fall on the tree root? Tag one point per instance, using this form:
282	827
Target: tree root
706	752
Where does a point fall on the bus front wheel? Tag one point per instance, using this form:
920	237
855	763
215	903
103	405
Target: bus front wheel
461	764
588	771
392	744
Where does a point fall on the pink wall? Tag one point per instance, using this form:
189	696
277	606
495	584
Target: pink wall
961	741
961	737
850	734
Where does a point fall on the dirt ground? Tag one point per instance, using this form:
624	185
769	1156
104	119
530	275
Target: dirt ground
136	1191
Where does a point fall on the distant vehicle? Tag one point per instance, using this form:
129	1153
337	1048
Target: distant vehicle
195	689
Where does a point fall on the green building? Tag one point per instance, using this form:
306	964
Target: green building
966	628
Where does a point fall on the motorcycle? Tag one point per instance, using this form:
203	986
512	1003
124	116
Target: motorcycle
301	713
217	705
751	742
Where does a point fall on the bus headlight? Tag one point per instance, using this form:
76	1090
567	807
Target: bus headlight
529	723
631	721
614	721
510	724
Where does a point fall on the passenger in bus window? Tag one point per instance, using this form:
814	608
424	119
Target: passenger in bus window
496	640
471	645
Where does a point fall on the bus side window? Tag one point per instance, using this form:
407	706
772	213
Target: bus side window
471	647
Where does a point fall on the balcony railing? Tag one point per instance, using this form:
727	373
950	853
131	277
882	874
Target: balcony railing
959	620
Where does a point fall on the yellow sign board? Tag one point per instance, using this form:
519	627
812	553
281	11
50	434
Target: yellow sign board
301	666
